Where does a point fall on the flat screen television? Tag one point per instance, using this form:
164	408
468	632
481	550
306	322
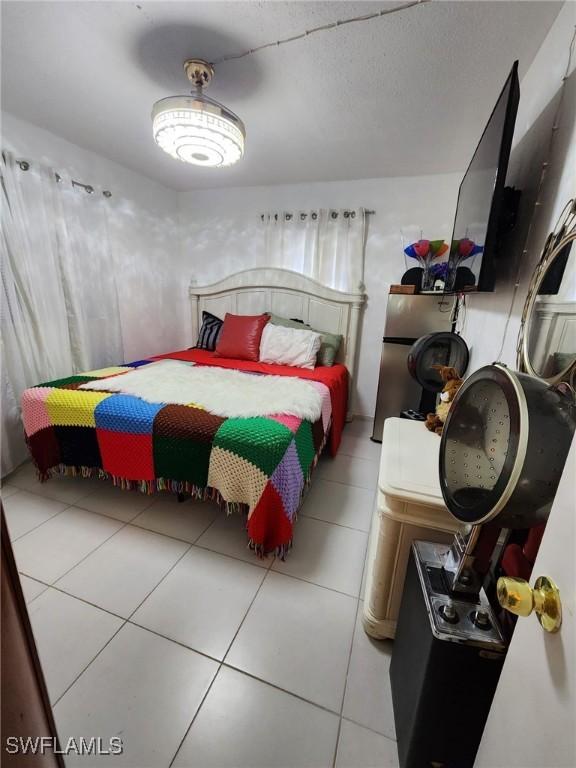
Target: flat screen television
481	197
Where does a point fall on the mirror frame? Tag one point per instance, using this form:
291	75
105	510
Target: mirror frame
563	234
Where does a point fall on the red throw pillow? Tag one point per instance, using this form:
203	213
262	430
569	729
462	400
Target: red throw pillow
240	336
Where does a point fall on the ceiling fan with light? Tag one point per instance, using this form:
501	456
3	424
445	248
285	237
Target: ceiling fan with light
196	129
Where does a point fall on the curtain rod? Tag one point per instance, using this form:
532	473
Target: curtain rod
334	214
24	165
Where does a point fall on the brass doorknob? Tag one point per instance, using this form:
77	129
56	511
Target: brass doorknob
518	597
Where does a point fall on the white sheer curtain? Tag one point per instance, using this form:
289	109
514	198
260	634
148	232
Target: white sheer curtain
59	302
326	244
89	278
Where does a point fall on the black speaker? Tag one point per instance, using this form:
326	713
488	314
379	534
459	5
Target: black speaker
442	682
413	276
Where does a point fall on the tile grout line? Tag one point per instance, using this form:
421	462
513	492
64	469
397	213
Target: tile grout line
95	548
218	661
46	586
127	620
231	643
35	528
167	535
204	548
342	452
154	588
77	503
277	687
130	619
372	491
52	498
82	599
221	664
350	719
331	522
190	545
74	505
338	732
187	731
172	640
75	597
124	622
321	586
124	619
368	728
266	570
346	679
133	523
79	675
205	655
351	485
124	525
121	490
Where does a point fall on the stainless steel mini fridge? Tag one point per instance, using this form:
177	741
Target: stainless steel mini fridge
407	318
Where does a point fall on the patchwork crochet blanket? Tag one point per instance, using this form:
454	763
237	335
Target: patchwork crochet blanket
259	465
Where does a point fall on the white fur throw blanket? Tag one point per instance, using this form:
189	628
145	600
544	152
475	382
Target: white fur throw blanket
221	391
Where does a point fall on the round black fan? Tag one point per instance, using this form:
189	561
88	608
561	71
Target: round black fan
435	349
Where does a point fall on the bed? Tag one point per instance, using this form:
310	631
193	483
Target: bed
93	423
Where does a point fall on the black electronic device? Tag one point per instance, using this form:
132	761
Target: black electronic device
486	209
413	276
448	655
426	354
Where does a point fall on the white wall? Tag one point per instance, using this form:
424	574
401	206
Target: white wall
143	233
486	328
222	233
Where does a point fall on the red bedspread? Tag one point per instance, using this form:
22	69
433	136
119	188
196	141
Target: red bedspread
334	377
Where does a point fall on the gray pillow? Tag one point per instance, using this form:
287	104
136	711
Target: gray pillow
330	341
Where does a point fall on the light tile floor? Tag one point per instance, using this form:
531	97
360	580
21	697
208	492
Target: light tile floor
155	623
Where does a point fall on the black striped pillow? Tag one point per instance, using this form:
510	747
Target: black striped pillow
209	332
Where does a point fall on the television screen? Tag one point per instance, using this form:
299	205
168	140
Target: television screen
474	237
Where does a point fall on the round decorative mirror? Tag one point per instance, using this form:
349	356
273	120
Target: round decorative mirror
547	340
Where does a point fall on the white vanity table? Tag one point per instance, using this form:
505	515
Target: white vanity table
409	506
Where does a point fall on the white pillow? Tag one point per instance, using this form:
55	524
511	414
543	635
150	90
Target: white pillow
289	346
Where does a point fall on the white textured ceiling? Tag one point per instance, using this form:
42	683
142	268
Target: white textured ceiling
406	94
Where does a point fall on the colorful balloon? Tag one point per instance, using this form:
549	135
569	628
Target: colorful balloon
422	248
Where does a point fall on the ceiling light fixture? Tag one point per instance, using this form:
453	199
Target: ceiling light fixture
197	129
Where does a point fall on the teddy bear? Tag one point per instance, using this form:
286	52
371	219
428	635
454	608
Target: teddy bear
452	383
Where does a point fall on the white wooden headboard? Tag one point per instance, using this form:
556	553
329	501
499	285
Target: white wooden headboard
288	294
